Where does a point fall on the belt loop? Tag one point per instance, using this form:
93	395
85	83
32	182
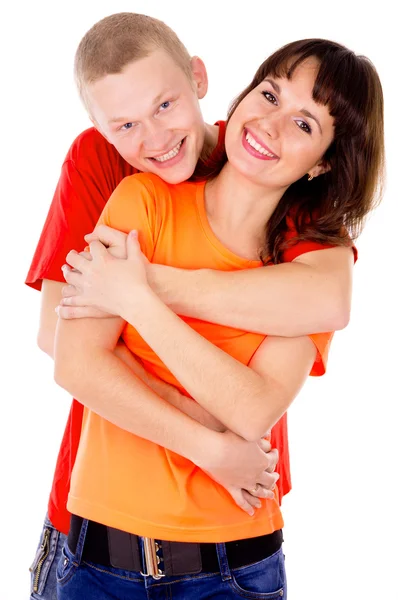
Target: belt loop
223	562
80	542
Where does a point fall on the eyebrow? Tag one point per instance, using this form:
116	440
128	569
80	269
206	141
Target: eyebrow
303	110
127	119
274	85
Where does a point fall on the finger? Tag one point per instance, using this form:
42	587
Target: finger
80	312
75	260
262	492
267	482
71	276
69	290
97	249
254	501
74	301
273	457
241	501
265	445
86	255
107	236
133	245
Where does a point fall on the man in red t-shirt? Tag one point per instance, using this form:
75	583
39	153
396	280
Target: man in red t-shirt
147	118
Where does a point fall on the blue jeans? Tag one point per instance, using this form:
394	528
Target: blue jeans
44	567
77	579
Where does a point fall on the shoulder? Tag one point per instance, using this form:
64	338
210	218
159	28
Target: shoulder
296	247
144	183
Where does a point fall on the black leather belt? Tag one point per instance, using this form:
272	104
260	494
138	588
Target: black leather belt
114	548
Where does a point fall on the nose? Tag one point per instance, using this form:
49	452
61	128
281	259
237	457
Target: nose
271	125
156	137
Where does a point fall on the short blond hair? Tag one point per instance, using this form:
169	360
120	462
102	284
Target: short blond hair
120	39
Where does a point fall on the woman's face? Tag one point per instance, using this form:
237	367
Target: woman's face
278	133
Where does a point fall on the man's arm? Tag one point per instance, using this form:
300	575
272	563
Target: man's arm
247	402
86	366
311	294
51	295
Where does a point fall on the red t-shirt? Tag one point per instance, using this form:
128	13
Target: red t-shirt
91	171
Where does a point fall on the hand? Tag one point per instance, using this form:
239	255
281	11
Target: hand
244	469
113	239
105	282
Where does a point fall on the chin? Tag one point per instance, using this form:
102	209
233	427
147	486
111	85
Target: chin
178	176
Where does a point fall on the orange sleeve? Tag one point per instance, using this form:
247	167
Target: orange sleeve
132	206
322	343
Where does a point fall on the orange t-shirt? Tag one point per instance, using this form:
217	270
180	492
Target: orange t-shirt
125	481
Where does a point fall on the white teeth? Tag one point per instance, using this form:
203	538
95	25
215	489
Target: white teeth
250	140
170	154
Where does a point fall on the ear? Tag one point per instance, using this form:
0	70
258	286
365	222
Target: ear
319	169
199	76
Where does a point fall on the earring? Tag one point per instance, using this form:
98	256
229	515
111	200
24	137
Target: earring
310	177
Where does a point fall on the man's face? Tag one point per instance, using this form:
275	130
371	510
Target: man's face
150	113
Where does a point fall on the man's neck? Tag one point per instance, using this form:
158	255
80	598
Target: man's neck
210	141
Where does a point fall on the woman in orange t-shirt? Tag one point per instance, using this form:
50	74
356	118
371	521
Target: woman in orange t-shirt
304	147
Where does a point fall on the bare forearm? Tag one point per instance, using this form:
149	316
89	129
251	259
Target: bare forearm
104	384
290	299
168	392
229	390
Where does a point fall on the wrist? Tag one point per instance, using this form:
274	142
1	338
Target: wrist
207	448
164	280
138	303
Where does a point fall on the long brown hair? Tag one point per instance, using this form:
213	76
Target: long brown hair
330	209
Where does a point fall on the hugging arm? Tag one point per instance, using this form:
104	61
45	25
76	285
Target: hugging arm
310	294
247	402
86	366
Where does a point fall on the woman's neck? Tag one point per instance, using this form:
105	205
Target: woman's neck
238	211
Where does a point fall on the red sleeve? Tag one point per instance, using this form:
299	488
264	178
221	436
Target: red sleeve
322	343
302	247
89	175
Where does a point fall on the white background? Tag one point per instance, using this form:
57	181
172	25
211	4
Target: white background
341	524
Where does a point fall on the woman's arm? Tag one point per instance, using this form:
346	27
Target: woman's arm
247	402
86	366
168	392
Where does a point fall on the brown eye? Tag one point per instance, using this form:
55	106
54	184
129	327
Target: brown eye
270	97
304	126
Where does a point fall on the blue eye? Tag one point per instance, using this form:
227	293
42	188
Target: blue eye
165	105
270	97
127	126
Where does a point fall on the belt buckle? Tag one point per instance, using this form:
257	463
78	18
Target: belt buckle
152	559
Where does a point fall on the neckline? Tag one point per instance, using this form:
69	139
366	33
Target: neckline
237	260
